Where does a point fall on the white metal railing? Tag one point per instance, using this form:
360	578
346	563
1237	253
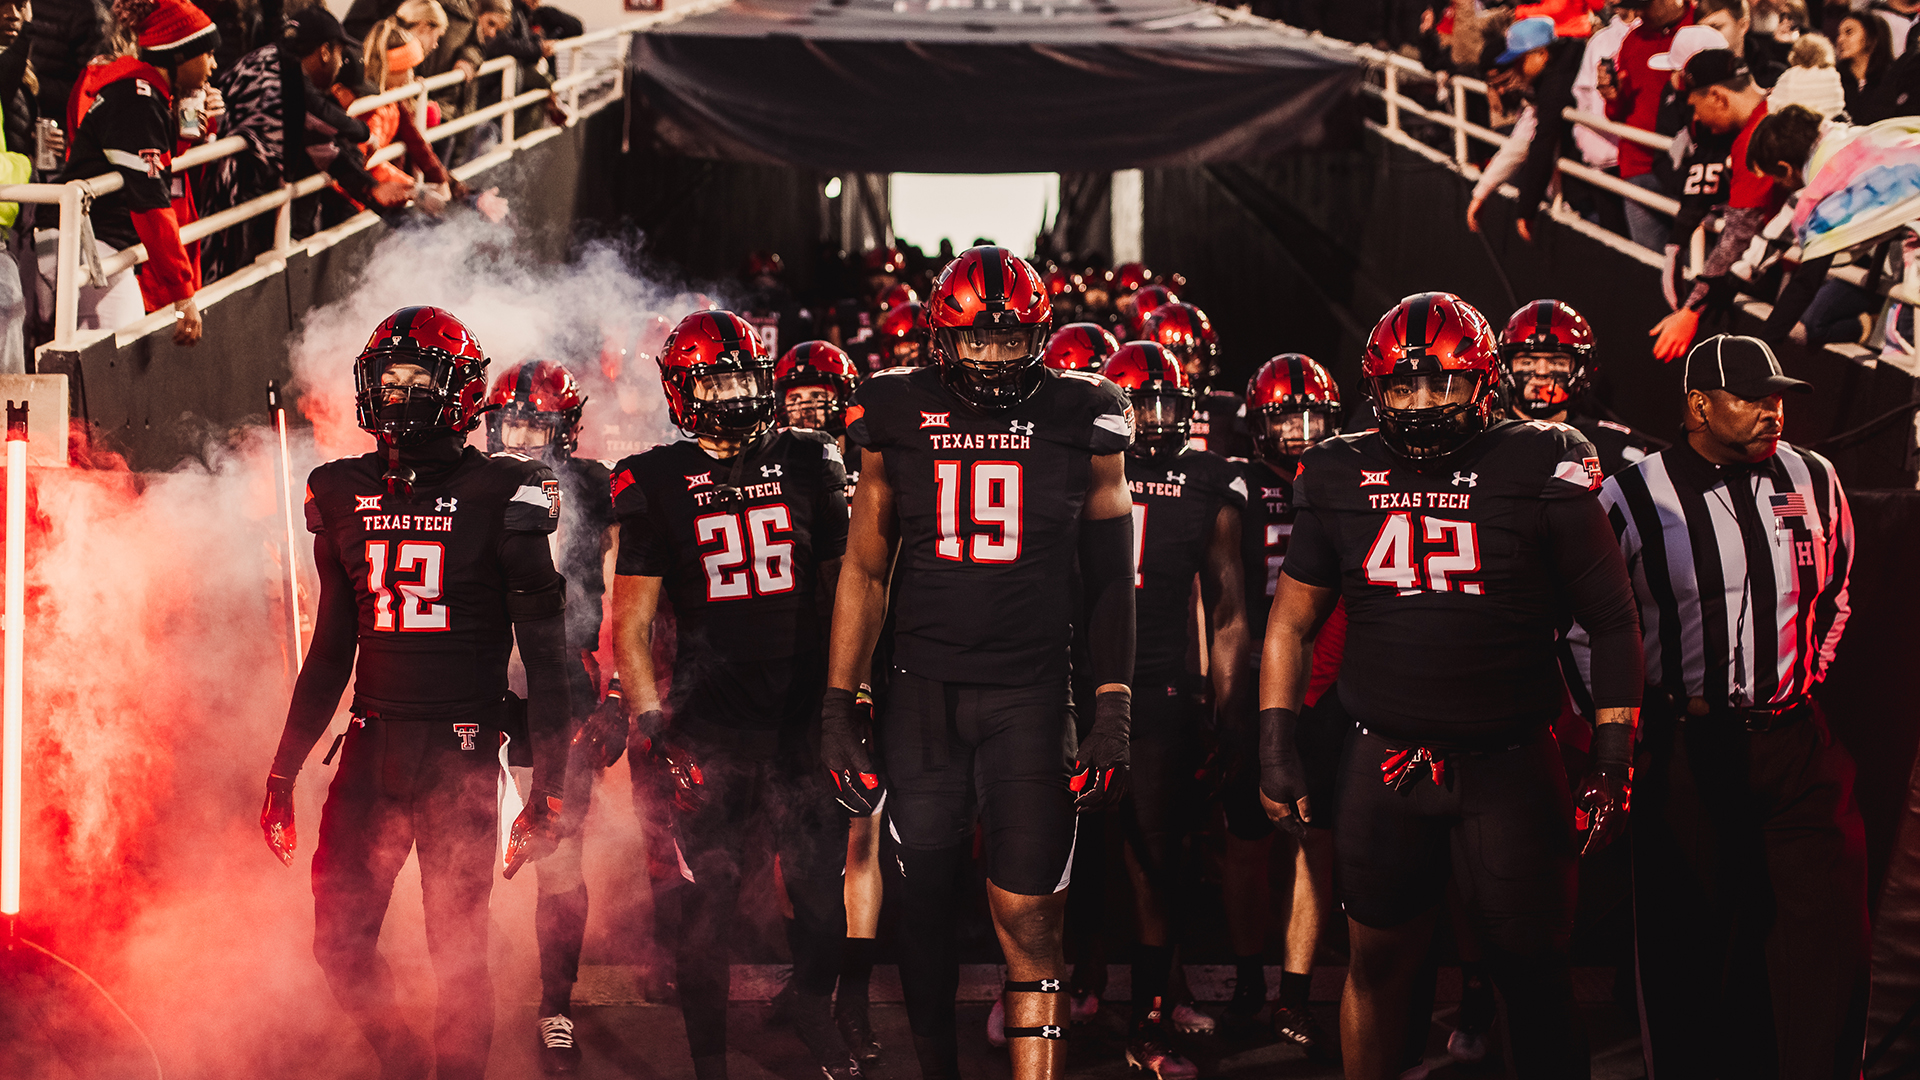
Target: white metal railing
594	62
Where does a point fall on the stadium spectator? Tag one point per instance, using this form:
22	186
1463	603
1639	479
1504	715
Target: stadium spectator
390	56
1812	80
16	167
1861	46
65	36
278	99
1900	17
122	119
1545	65
1764	57
1632	91
1725	99
503	30
549	23
1784	20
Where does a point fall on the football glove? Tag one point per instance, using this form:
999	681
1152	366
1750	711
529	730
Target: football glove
276	818
845	727
603	737
1099	778
535	833
1283	779
1604	800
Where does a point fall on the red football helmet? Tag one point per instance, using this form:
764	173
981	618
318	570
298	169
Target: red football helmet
816	363
1547	328
1063	281
1292	403
420	375
765	264
901	338
901	293
1431	366
1146	302
542	394
884	261
1162	401
1081	346
990	313
718	377
1131	278
1188	334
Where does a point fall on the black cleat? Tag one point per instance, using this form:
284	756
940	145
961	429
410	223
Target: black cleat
857	1029
1244	1008
1297	1026
558	1054
848	1070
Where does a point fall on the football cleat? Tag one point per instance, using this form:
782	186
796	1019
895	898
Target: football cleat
559	1056
1191	1021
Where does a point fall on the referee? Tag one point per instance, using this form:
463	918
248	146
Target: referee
1749	856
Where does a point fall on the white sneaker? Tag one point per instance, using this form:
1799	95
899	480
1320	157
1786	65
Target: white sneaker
1466	1047
997	1023
1191	1021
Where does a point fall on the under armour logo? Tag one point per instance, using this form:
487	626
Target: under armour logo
1176	478
1019	428
769	470
1051	1031
466	733
1049	986
1368	478
365	502
1471	479
699	480
446	506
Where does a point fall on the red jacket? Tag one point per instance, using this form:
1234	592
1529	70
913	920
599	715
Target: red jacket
1638	101
171	272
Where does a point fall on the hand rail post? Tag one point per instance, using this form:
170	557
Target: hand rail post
1392	97
509	85
1459	122
66	282
283	225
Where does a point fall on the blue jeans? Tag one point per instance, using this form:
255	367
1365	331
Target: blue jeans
1647	227
1834	314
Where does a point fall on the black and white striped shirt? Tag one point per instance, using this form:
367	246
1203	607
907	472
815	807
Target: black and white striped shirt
1740	571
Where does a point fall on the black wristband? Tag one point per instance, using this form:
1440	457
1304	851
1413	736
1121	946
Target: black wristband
1276	733
1113	711
1613	747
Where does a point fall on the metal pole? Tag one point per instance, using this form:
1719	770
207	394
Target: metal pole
509	85
1392	97
66	282
283	226
286	492
11	740
1459	122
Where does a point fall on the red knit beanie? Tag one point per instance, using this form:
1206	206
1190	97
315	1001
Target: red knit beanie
170	31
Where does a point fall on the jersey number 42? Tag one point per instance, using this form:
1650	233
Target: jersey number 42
1391	560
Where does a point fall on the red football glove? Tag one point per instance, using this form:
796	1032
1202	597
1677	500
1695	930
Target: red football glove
276	818
535	833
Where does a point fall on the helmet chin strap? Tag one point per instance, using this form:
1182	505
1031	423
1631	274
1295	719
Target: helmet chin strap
399	477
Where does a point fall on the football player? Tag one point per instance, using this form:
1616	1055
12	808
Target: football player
1187	333
900	339
536	410
433	561
1186	511
1460	543
991	474
816	381
1548	347
1081	346
741	529
1292	404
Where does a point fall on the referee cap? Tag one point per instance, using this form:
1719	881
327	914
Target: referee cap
1742	366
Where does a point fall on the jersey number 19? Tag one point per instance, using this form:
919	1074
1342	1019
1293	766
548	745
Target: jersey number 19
994	496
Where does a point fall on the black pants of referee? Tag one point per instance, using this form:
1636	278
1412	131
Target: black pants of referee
404	785
1750	899
745	785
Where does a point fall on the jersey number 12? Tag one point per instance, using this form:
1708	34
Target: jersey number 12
426	562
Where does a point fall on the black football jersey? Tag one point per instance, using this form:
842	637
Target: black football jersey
586	513
989	509
434	631
742	573
1175	503
1452	604
1265	527
1619	446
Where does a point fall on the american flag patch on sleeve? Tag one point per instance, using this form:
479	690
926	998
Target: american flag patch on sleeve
1791	504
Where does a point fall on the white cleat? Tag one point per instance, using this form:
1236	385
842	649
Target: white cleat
1191	1021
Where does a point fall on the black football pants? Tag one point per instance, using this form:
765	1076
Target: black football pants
1750	900
810	833
404	785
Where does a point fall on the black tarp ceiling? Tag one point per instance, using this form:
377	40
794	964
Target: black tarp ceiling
984	85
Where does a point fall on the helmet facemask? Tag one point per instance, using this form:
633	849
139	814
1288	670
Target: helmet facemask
1432	415
1543	384
524	430
730	400
991	367
406	397
1162	419
1281	433
813	406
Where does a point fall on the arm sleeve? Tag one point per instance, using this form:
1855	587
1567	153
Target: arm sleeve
1311	557
830	507
1106	573
1743	223
536	598
323	678
1588	562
